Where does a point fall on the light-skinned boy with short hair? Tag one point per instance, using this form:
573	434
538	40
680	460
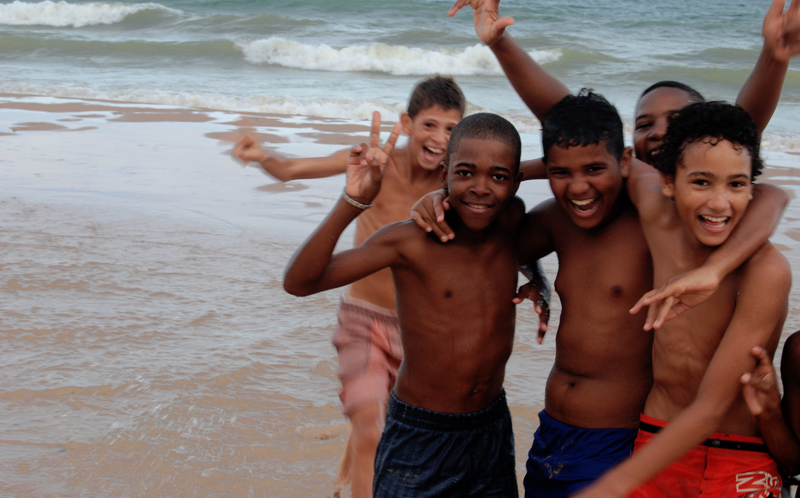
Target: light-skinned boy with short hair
448	429
696	425
367	339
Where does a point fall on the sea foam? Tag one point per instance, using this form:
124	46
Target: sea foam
63	14
379	58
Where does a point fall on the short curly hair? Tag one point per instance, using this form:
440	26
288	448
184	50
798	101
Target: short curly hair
716	121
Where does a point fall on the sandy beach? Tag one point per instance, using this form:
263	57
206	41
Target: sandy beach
148	348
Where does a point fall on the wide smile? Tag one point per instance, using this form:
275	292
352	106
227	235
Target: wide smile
432	154
714	224
478	207
584	207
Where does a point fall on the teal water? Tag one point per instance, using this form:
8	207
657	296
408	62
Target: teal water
344	58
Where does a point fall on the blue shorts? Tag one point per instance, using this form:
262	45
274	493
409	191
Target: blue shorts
563	459
425	453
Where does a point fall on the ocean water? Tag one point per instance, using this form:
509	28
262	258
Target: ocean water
147	348
345	58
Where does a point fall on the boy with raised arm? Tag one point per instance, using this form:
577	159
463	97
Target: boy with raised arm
367	339
540	90
602	371
696	425
448	428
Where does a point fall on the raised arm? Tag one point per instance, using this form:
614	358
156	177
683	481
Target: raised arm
762	90
285	169
538	89
314	267
682	292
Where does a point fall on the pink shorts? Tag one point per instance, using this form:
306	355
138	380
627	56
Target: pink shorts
370	352
725	466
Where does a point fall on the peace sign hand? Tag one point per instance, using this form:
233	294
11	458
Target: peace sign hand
366	163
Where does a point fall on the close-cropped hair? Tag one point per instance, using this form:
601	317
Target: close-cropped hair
486	126
438	90
713	122
694	94
581	120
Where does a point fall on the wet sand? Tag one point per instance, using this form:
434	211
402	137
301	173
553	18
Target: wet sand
147	347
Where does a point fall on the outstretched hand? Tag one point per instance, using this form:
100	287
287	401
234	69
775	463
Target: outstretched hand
489	26
541	305
676	295
760	390
366	163
428	213
781	30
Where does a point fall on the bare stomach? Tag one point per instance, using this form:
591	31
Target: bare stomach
377	289
596	403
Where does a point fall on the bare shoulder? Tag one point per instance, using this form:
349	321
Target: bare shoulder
769	271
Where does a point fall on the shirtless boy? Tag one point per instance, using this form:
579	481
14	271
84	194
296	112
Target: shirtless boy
448	428
602	371
367	339
695	414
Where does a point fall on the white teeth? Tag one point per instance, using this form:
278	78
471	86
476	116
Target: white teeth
435	151
473	206
583	202
715	220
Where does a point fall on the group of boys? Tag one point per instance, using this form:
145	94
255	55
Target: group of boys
444	302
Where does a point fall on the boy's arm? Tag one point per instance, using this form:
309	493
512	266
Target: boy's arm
762	90
682	292
533	169
763	397
248	151
760	307
314	267
538	89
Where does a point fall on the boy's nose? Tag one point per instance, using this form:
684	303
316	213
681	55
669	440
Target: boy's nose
658	130
718	201
578	186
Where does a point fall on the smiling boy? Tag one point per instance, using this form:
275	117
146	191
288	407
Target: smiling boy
368	339
448	428
602	372
695	415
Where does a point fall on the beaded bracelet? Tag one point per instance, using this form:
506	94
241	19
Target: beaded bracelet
354	202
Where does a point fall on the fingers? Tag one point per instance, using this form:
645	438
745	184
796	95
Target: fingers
375	132
664	310
460	4
417	218
760	354
641	303
438	207
388	148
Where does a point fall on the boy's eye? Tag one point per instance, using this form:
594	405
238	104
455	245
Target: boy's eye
643	125
595	169
463	172
738	184
700	182
499	177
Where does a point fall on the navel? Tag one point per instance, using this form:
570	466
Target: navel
616	290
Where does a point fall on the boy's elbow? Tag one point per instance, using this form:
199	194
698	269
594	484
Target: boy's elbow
295	288
778	195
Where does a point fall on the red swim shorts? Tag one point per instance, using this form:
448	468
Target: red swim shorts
368	342
724	466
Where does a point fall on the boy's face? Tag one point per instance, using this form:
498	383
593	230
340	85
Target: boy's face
481	177
586	181
711	189
652	117
428	133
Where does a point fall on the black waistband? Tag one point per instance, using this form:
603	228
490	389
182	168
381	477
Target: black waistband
714	443
426	419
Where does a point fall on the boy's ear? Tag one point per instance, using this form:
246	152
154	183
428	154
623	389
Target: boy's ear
406	121
625	162
517	181
443	174
668	186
